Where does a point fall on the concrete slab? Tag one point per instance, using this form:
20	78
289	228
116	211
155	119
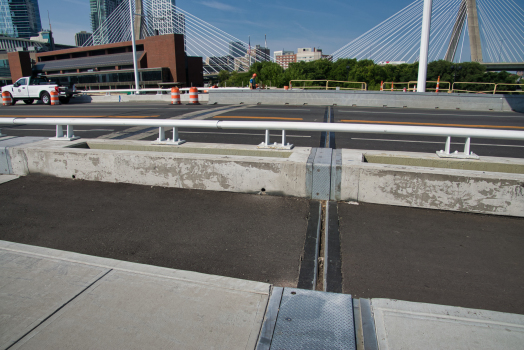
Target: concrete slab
7	178
33	287
129	306
406	325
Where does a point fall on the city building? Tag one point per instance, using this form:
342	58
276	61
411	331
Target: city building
308	55
217	64
161	61
19	18
282	53
262	53
100	11
237	49
82	37
284	58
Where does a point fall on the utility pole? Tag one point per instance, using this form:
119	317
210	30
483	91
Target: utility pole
424	46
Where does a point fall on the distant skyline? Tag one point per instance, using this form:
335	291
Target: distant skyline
288	25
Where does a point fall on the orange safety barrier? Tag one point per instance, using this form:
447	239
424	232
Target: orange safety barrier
438	84
286	87
6	98
381	86
175	96
54	98
193	95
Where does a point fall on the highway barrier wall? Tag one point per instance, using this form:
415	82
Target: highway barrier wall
115	97
467	102
410	179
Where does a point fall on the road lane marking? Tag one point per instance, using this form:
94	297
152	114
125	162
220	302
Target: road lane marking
240	117
453	143
279	109
438	114
82	116
435	124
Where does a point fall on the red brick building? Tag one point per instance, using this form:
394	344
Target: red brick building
161	60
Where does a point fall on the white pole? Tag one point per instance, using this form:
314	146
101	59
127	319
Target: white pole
424	46
132	14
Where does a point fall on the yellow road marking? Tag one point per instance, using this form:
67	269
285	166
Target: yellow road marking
81	116
272	118
434	124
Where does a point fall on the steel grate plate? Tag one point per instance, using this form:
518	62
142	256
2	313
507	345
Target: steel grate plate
314	320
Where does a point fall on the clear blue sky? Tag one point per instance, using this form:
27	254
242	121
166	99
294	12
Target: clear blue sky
328	24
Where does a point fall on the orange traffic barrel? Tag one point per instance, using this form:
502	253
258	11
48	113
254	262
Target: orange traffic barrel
54	98
193	95
175	96
6	98
286	87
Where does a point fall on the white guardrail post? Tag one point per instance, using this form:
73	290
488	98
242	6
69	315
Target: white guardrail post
447	132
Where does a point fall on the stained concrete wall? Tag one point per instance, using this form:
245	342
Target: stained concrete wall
469	102
184	98
278	176
242	168
432	188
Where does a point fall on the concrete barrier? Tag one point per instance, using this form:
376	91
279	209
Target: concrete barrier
134	98
244	168
467	102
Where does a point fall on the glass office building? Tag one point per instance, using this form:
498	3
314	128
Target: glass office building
19	18
100	11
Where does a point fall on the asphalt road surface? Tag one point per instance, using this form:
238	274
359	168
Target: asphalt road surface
392	116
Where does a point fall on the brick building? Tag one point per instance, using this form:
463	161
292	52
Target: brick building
160	59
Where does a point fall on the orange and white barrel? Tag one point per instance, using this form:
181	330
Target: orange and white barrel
286	87
438	84
193	95
404	89
175	96
6	98
392	86
381	86
415	88
54	98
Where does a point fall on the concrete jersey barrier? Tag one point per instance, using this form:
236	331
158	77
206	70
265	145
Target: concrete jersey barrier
467	102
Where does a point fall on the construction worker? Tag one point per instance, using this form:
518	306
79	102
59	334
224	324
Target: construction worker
252	82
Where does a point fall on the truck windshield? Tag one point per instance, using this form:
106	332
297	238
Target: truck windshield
39	81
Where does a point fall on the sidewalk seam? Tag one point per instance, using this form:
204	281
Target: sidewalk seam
58	309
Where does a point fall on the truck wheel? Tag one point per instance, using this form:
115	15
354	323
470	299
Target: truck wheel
65	100
29	101
46	99
13	101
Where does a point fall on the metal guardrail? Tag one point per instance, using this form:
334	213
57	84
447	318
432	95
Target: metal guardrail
447	132
363	85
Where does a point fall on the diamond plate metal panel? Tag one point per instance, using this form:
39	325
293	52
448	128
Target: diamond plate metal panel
322	174
314	320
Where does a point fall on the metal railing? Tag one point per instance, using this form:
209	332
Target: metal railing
442	87
363	85
446	132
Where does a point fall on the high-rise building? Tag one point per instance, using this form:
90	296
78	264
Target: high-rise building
82	37
237	49
100	11
19	18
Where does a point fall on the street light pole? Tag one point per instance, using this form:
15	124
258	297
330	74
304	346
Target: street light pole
132	14
424	46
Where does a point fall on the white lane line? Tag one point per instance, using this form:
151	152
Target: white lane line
236	133
437	114
53	130
278	109
453	143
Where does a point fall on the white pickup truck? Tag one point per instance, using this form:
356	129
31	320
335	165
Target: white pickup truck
29	89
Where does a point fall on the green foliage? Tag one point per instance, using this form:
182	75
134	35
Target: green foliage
347	69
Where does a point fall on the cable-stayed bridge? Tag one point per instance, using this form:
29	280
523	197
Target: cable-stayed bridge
220	50
490	32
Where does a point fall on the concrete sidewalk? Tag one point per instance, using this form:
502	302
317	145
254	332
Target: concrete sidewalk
52	299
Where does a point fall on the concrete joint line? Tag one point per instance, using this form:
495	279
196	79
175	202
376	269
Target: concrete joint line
368	335
60	308
308	274
332	255
270	319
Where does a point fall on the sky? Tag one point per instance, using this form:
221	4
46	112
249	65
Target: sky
325	24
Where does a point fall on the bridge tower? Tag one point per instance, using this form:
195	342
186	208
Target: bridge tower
467	9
